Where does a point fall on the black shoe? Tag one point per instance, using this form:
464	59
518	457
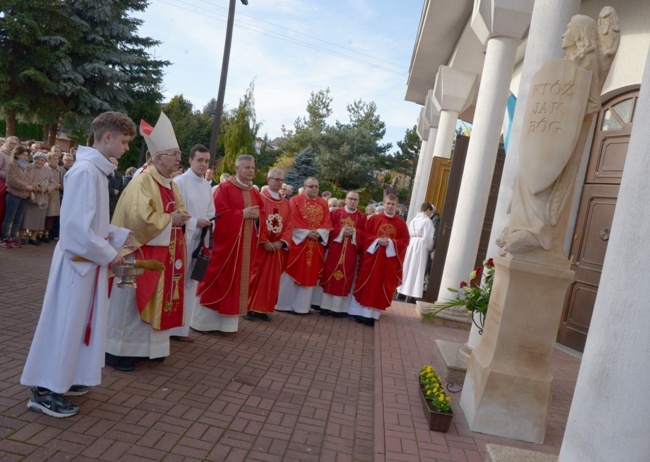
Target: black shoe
250	316
32	242
324	312
77	390
157	360
50	403
369	322
45	240
121	363
261	316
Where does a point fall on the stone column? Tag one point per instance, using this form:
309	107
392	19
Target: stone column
431	115
500	24
422	129
609	413
452	94
548	23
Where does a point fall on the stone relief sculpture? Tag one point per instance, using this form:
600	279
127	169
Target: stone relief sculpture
565	95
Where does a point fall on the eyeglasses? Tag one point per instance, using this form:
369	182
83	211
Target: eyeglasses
276	179
175	154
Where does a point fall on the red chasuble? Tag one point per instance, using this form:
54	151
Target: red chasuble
341	263
269	266
173	287
307	259
379	275
225	286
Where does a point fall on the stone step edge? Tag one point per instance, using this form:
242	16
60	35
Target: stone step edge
460	320
499	453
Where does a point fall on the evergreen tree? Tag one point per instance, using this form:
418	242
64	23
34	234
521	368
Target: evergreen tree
32	60
304	166
347	156
240	129
309	130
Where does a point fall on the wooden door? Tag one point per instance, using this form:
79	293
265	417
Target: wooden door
595	213
437	188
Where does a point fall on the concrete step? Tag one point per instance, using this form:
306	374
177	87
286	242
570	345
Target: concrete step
457	319
453	361
498	453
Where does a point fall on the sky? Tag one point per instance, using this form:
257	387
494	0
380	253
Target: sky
359	49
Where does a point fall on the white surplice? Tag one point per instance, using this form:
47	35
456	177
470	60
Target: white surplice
293	297
197	197
415	263
58	357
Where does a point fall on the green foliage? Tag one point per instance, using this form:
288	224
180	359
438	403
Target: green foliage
309	130
304	166
265	161
190	127
347	156
66	61
240	129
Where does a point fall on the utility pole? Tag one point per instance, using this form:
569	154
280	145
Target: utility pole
216	123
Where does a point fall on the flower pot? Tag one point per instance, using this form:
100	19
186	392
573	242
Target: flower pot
438	421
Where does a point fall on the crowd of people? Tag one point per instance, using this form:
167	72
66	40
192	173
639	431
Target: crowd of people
267	250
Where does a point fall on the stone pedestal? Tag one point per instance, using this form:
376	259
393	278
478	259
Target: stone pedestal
509	384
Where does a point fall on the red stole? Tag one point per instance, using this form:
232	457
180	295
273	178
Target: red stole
173	278
307	259
226	284
269	266
341	263
379	275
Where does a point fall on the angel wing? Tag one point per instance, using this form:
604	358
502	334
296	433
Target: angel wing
609	38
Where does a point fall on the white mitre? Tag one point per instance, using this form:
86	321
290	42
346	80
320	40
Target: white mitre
161	137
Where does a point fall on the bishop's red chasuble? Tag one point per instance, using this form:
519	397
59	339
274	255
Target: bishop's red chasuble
341	263
307	259
379	275
226	283
269	266
145	209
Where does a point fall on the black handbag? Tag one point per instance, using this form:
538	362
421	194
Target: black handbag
201	257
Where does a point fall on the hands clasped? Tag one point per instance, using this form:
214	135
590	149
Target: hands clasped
179	218
252	211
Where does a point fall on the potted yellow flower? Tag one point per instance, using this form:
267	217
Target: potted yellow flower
436	404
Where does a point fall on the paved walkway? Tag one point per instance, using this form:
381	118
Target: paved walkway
301	388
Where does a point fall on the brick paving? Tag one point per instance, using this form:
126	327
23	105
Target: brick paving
301	388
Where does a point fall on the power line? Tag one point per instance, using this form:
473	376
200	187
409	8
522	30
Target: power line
261	30
308	36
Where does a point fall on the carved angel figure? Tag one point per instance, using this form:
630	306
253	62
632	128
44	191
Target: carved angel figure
539	214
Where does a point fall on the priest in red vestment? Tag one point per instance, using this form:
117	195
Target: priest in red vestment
343	251
151	207
311	224
272	251
386	238
223	293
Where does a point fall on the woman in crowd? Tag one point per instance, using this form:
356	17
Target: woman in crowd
20	184
35	211
54	200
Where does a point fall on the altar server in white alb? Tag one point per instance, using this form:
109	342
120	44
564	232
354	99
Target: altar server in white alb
197	197
67	352
415	263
